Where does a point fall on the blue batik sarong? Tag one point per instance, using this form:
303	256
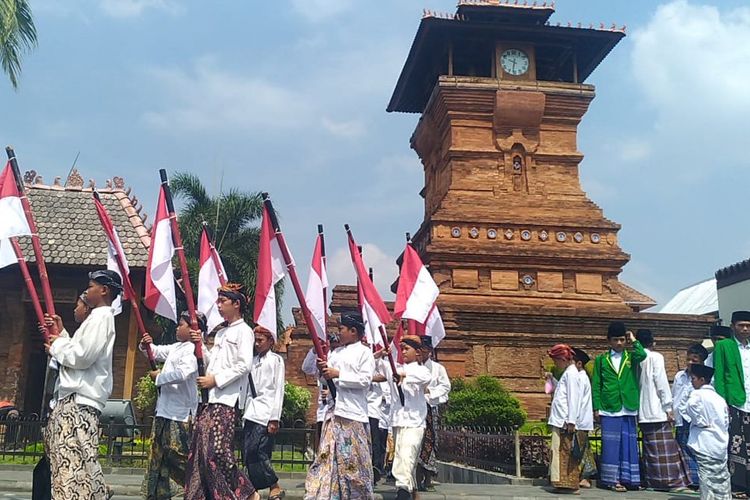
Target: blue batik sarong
619	460
681	434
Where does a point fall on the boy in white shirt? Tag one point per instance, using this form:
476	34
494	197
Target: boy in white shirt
84	385
212	470
343	464
708	415
409	420
566	404
682	387
265	400
310	368
663	467
175	407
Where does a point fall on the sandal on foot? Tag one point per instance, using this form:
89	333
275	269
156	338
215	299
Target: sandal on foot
278	496
618	488
739	495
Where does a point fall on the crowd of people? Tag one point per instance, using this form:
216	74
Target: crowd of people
192	445
695	434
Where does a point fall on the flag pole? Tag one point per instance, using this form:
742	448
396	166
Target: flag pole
30	287
411	324
215	256
188	289
129	290
325	290
384	337
35	242
306	314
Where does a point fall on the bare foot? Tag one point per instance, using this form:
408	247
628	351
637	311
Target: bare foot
585	483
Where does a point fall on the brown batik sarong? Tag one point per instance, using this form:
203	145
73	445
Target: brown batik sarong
212	472
564	470
170	444
72	442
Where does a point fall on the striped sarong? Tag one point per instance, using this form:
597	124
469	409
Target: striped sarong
714	477
619	460
663	468
682	433
739	440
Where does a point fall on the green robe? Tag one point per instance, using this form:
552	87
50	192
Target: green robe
729	378
612	391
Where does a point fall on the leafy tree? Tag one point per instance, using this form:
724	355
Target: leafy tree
483	402
145	396
17	36
234	220
296	404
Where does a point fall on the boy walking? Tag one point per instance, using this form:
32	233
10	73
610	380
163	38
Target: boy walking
709	434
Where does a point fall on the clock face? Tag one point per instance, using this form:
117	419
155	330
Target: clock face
514	62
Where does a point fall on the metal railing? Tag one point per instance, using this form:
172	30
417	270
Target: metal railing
21	442
510	451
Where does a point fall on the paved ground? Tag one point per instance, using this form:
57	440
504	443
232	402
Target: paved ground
16	485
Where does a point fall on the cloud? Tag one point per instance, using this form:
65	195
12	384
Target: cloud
691	63
134	8
385	270
344	129
210	98
320	10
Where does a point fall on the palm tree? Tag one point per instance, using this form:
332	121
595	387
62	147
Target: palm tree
234	219
17	36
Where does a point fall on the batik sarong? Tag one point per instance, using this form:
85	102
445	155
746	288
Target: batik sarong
170	444
257	450
663	468
212	472
588	462
682	433
342	469
739	449
408	442
714	479
619	460
72	442
427	455
564	469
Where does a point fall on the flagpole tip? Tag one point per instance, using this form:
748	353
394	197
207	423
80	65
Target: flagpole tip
408	237
346	226
163	174
264	195
320	228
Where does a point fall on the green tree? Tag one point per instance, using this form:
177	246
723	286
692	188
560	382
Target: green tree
483	402
296	403
17	36
234	220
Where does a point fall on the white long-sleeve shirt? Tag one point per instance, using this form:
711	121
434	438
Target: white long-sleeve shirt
229	362
375	393
709	422
268	378
585	419
656	396
681	390
566	402
413	412
310	367
86	359
440	385
356	366
178	394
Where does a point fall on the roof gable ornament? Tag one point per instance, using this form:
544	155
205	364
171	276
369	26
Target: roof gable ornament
29	177
75	181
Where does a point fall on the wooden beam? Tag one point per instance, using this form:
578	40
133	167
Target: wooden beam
132	352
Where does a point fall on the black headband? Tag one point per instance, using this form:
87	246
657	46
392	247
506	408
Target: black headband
109	279
412	343
353	321
199	316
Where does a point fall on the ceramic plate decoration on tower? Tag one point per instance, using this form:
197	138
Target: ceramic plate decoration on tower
578	237
474	232
561	236
527	280
595	238
525	235
492	233
456	232
543	235
508	234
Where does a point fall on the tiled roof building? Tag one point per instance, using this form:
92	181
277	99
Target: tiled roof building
73	244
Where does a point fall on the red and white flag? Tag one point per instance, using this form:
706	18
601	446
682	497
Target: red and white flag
271	270
433	327
372	322
210	277
396	343
160	286
417	290
12	217
114	246
7	255
374	310
317	284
